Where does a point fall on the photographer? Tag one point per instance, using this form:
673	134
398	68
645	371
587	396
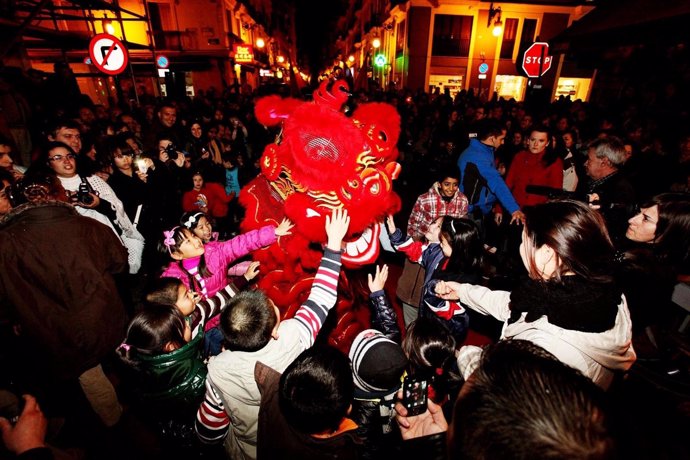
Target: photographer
92	197
176	162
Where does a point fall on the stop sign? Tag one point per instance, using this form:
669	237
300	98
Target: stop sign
532	59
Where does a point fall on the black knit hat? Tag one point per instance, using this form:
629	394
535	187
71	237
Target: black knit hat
378	363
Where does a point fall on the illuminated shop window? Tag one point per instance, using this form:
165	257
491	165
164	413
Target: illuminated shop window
575	88
510	87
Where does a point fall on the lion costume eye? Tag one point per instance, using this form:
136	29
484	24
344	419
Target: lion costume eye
373	184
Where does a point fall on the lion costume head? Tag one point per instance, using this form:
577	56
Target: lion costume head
321	160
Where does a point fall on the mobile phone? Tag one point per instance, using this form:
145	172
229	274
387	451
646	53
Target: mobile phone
141	165
415	395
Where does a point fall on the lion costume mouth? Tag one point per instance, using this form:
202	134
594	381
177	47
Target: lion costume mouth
365	249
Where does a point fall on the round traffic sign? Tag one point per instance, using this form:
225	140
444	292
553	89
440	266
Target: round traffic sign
483	67
537	59
108	54
162	61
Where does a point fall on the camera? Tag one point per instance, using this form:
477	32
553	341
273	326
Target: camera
83	194
172	152
415	395
11	405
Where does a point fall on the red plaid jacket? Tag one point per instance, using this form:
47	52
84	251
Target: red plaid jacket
430	206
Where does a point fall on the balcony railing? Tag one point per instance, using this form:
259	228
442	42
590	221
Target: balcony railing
173	40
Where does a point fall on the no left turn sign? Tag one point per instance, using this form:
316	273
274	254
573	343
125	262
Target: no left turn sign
108	54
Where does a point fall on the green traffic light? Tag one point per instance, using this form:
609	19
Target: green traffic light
380	60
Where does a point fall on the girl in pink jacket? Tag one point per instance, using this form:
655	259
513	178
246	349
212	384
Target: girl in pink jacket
203	267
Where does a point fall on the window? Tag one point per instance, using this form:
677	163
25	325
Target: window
509	36
529	28
400	43
452	35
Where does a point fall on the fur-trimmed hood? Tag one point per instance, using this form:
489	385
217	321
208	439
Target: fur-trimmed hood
23	208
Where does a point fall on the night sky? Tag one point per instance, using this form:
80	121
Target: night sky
315	24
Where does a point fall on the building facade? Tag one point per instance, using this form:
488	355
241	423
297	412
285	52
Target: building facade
454	45
175	47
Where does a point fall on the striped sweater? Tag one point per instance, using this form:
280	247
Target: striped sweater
232	396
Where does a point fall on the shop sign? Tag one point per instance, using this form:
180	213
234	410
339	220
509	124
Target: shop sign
243	53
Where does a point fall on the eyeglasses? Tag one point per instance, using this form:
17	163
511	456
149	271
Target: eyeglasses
69	156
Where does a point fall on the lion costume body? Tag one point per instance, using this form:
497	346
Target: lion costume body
323	160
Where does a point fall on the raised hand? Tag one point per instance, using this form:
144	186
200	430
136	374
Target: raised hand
336	228
284	227
390	224
252	270
378	281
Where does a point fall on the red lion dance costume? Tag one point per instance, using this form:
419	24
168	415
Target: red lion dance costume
323	160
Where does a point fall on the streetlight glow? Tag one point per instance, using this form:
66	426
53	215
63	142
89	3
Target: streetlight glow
108	27
376	43
260	43
351	59
281	59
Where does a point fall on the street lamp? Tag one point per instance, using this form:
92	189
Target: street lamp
495	17
351	59
376	43
260	43
280	59
498	28
108	26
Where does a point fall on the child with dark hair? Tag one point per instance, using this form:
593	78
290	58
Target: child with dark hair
196	310
304	411
157	331
203	267
164	372
452	251
430	351
254	332
202	226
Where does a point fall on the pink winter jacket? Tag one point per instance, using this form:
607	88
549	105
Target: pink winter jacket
219	255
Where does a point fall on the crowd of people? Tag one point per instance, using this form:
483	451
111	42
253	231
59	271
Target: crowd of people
127	290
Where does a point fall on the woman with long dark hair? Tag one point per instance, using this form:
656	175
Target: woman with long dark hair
657	255
570	305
